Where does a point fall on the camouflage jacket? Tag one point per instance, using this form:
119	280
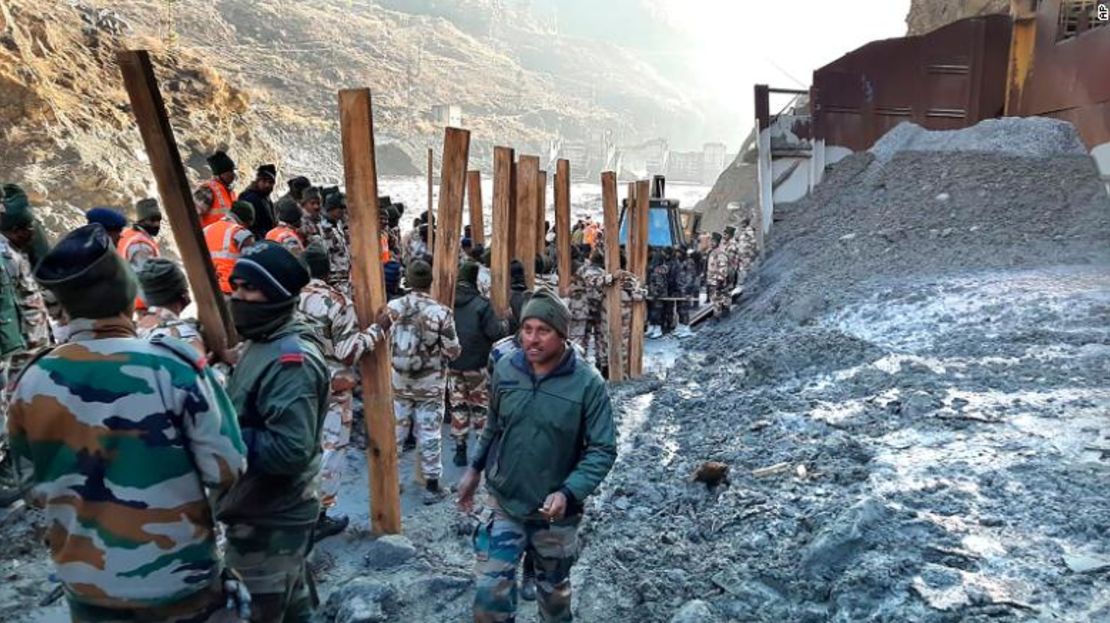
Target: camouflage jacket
485	279
331	316
578	301
423	340
659	279
34	320
160	321
686	279
594	280
125	435
717	272
414	248
339	249
311	229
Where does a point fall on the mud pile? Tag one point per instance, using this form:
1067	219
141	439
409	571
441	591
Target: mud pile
910	402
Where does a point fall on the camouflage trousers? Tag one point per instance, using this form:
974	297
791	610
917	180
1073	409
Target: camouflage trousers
469	391
499	543
426	416
335	436
205	606
271	561
579	333
721	297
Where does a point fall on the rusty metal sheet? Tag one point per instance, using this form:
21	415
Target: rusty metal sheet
950	78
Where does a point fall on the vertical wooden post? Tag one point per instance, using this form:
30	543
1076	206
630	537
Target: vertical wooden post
528	174
431	212
177	199
562	224
501	240
474	196
637	262
612	266
541	212
356	122
511	242
456	150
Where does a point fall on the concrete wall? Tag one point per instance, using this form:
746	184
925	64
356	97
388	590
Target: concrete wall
1101	154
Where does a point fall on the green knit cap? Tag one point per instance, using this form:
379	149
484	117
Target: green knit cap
316	256
468	273
419	274
162	282
244	211
546	306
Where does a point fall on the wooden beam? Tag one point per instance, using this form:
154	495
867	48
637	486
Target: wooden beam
637	262
177	198
541	212
501	240
431	212
452	185
511	242
562	225
528	175
356	122
474	196
612	266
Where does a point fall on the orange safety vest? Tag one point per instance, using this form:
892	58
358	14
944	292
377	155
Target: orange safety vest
222	198
219	237
590	235
383	242
283	234
131	236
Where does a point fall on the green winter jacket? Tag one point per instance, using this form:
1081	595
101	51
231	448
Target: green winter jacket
546	434
477	326
280	390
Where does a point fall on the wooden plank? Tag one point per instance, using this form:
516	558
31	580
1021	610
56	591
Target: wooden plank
431	212
637	262
612	266
474	196
177	198
528	174
356	122
501	245
541	212
562	224
511	241
452	185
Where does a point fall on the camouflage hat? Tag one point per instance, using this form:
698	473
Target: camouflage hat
86	274
316	257
335	200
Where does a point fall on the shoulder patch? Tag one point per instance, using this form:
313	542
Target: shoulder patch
291	352
181	350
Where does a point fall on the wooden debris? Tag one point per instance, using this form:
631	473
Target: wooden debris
712	473
773	470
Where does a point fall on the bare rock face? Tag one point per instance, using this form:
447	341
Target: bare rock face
928	15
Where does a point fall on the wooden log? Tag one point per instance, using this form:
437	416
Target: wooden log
356	124
177	198
431	212
528	175
452	185
541	212
511	241
637	261
612	266
474	197
501	241
562	225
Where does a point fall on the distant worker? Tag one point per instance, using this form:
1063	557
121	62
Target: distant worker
258	195
333	230
128	438
166	292
287	233
227	238
297	186
423	340
112	221
720	293
550	412
139	242
214	197
311	204
595	281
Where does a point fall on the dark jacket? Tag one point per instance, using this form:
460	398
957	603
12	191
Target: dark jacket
477	327
264	219
518	296
546	434
280	390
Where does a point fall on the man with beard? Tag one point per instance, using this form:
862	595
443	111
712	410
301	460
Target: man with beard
280	390
258	195
214	197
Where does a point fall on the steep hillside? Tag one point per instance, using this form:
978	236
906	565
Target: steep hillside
928	15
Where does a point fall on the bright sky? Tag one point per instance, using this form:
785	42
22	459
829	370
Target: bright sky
739	43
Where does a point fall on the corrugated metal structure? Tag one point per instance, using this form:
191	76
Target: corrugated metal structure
950	78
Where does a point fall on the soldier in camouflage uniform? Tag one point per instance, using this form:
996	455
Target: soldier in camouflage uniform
311	226
125	436
280	389
478	327
687	288
549	443
659	277
720	293
24	323
594	281
746	249
423	339
166	292
331	314
337	242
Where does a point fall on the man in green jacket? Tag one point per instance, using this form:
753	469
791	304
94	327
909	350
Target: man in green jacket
548	443
280	390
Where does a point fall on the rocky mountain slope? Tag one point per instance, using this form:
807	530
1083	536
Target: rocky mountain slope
928	15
